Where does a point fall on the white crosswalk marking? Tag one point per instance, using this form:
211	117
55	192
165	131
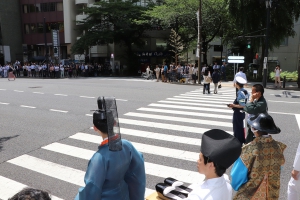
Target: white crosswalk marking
189	115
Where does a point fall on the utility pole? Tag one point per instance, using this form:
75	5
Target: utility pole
268	6
46	46
199	41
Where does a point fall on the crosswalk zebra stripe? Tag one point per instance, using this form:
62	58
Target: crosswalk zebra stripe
77	175
165	126
200	90
201	101
192	108
195	104
196	114
208	98
145	134
148	192
9	187
51	169
144	148
218	95
178	119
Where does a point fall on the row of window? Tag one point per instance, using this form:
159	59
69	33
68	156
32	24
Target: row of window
39	27
43	7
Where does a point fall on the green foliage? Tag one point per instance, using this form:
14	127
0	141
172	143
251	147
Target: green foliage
109	22
290	76
176	45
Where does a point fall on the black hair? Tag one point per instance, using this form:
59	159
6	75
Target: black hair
31	194
99	120
219	170
241	69
259	88
239	84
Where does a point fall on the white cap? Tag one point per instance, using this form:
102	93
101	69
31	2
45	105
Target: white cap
241	80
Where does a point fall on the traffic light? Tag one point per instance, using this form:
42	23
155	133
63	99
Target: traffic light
55	49
249	44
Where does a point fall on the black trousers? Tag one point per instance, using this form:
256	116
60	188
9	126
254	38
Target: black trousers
238	126
206	87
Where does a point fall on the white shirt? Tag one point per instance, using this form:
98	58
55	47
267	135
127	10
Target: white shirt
277	72
296	164
241	74
211	189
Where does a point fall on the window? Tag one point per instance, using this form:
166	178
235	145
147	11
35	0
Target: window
40	28
161	44
32	28
38	7
218	48
284	42
31	8
44	7
26	29
51	7
59	6
25	8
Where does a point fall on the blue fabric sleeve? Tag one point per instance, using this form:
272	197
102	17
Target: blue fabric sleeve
239	174
241	98
94	179
136	176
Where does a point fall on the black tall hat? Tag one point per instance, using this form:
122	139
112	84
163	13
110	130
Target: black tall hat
264	122
107	115
220	147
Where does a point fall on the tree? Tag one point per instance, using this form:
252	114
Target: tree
112	22
181	16
176	45
250	17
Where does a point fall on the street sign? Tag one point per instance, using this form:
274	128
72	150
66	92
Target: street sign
236	57
265	62
235	61
56	43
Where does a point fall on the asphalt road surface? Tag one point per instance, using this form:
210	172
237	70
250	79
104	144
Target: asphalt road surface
46	138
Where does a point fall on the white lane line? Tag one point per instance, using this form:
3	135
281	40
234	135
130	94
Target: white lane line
298	120
179	119
145	134
219	94
121	100
283	101
151	169
51	169
196	104
144	148
23	106
38	93
227	91
89	115
4	103
192	108
3	89
64	95
87	97
283	113
9	187
195	114
208	98
18	91
62	111
201	101
165	126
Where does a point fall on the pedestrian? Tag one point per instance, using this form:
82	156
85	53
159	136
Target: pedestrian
62	71
165	72
241	74
216	78
238	112
162	74
116	170
277	71
206	80
157	72
294	183
256	174
219	150
31	194
255	105
195	74
223	71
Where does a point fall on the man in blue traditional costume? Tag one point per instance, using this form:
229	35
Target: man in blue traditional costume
116	170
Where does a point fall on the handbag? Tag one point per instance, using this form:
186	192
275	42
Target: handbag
208	79
219	86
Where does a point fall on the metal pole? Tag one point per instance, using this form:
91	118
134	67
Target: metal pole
46	46
267	43
221	53
200	42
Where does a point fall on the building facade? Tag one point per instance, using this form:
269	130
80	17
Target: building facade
10	32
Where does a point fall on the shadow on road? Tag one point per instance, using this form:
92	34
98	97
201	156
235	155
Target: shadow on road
4	139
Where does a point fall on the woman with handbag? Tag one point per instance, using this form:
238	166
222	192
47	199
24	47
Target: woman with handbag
206	80
216	78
